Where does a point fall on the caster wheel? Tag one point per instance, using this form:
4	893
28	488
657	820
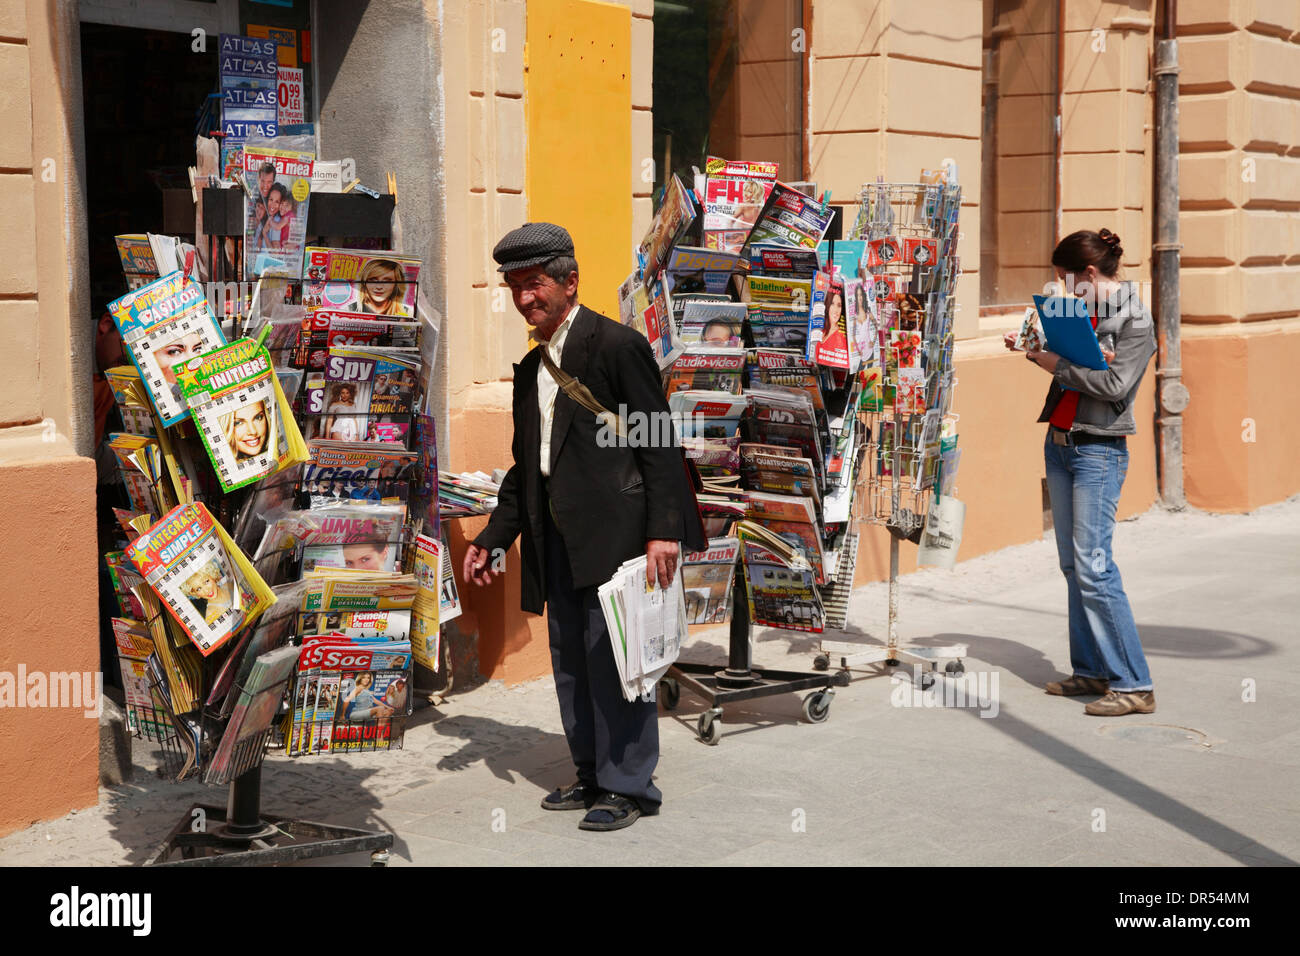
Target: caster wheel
379	858
954	667
671	693
821	662
817	706
710	728
842	678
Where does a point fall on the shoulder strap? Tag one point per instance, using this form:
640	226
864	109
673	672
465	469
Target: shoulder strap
581	394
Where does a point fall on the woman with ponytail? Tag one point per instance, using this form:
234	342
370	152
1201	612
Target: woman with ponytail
1089	412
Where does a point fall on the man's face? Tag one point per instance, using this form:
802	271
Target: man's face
264	181
541	300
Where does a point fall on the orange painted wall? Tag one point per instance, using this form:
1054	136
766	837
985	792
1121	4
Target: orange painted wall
1233	378
49	758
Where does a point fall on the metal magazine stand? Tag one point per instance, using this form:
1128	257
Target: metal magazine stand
239	833
740	680
903	476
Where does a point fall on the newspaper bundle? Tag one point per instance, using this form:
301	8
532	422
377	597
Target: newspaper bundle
164	324
646	626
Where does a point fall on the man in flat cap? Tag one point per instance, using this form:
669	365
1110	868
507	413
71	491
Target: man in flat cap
583	506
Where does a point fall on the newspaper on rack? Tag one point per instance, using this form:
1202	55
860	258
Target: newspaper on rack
165	323
241	413
278	185
646	626
707	578
206	583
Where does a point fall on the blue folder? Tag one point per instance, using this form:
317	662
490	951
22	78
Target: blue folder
1068	329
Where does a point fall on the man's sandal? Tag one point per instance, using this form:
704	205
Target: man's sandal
611	812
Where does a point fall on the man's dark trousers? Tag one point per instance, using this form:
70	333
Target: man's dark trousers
614	742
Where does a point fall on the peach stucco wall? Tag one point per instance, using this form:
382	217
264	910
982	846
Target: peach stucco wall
49	758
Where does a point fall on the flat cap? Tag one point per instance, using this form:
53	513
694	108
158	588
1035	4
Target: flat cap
532	244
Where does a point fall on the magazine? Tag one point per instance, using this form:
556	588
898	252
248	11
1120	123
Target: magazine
711	369
163	324
790	218
778	582
830	333
707	578
323	329
695	269
363	395
258	701
789	369
671	221
783	261
425	631
370	471
735	193
356	535
793	518
360	281
248	72
241	413
449	607
206	583
713	323
138	265
778	469
707	414
278	184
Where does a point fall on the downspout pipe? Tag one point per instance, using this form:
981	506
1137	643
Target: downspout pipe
1172	395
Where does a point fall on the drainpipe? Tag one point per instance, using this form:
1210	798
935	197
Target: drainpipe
1172	395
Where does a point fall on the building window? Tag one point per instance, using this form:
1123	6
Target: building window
728	81
1019	195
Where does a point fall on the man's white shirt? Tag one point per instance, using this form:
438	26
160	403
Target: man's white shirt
548	388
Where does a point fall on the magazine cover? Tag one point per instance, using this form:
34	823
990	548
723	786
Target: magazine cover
209	587
357	471
696	269
425	630
361	537
138	265
360	280
790	218
241	413
163	324
707	578
449	607
713	323
830	334
249	105
675	214
362	395
323	329
712	369
275	214
735	193
781	590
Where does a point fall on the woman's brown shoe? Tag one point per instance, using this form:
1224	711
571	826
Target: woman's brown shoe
1078	686
1117	703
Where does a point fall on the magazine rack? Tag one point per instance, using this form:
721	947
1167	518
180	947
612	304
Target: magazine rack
903	479
740	680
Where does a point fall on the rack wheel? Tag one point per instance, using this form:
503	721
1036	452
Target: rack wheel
817	706
379	858
672	693
954	667
821	662
842	677
710	728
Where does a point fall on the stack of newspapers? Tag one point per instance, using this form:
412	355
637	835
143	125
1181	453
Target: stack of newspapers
646	626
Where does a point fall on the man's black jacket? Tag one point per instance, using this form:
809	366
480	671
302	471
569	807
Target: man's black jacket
608	501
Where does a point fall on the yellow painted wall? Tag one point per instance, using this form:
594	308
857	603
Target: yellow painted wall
578	91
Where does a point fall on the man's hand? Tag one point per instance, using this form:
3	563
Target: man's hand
1044	360
660	561
477	566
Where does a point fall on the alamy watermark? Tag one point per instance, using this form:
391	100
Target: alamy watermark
64	689
648	429
971	689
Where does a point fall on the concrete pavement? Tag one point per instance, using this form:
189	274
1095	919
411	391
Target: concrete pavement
1211	778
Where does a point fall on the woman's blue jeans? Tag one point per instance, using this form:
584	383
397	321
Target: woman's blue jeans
1084	483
